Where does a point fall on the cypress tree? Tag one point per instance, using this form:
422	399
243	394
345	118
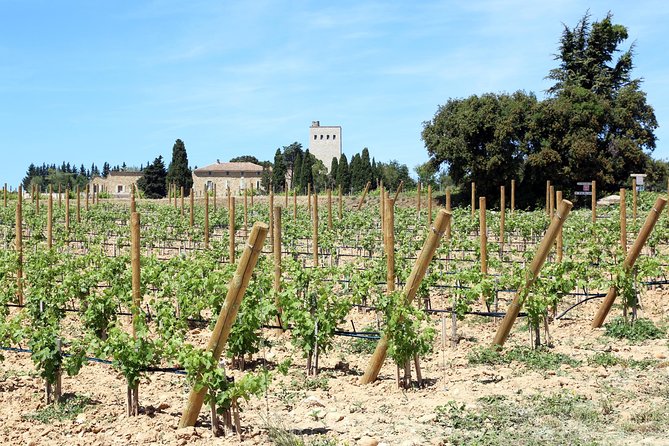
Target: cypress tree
343	174
307	173
297	172
334	167
178	172
278	171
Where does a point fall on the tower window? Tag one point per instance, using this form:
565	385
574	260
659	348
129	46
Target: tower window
315	136
334	136
321	136
328	137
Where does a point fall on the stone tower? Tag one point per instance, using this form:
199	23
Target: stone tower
325	142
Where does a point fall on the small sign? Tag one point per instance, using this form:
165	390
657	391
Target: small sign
585	186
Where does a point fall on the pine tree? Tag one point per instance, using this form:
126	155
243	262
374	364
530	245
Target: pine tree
343	174
152	183
278	172
178	172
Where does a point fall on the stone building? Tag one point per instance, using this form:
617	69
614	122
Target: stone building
237	176
117	184
325	142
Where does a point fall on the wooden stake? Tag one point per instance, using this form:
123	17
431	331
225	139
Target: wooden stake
473	198
78	205
634	199
206	218
623	221
364	194
410	289
630	259
314	237
5	194
135	263
133	205
340	203
246	212
551	201
548	192
59	196
226	318
483	234
418	198
389	225
49	219
37	194
231	228
295	205
329	209
429	205
502	219
277	257
191	197
513	195
594	202
215	202
271	212
183	192
67	210
538	261
19	245
88	192
309	197
448	209
559	246
399	189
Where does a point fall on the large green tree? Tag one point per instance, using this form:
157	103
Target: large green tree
153	183
179	172
343	174
279	172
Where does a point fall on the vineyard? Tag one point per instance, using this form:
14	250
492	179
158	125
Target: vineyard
327	320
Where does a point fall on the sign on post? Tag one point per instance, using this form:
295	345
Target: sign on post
585	188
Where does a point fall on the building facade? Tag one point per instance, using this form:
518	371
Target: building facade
236	176
117	184
325	142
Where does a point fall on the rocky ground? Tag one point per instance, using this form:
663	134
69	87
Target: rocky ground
588	389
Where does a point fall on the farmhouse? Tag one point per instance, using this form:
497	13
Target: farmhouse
117	183
236	176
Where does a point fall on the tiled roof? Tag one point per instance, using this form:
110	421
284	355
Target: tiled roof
230	167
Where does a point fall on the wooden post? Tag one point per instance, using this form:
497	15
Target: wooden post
59	196
206	218
418	186
5	194
286	192
67	210
314	237
49	219
634	198
399	189
473	198
630	259
309	197
364	194
539	258
502	219
389	225
231	227
513	195
191	197
252	194
19	245
483	234
295	204
448	209
133	205
78	205
215	197
594	202
429	204
548	192
271	212
623	221
135	263
246	212
551	201
340	204
183	192
410	289
559	246
37	194
277	256
329	209
88	192
226	318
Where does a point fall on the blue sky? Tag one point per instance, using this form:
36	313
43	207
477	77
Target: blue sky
120	81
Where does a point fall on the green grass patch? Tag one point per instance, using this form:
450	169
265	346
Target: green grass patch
639	330
607	359
535	359
68	409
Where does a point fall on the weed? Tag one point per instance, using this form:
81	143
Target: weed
68	409
535	359
639	330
